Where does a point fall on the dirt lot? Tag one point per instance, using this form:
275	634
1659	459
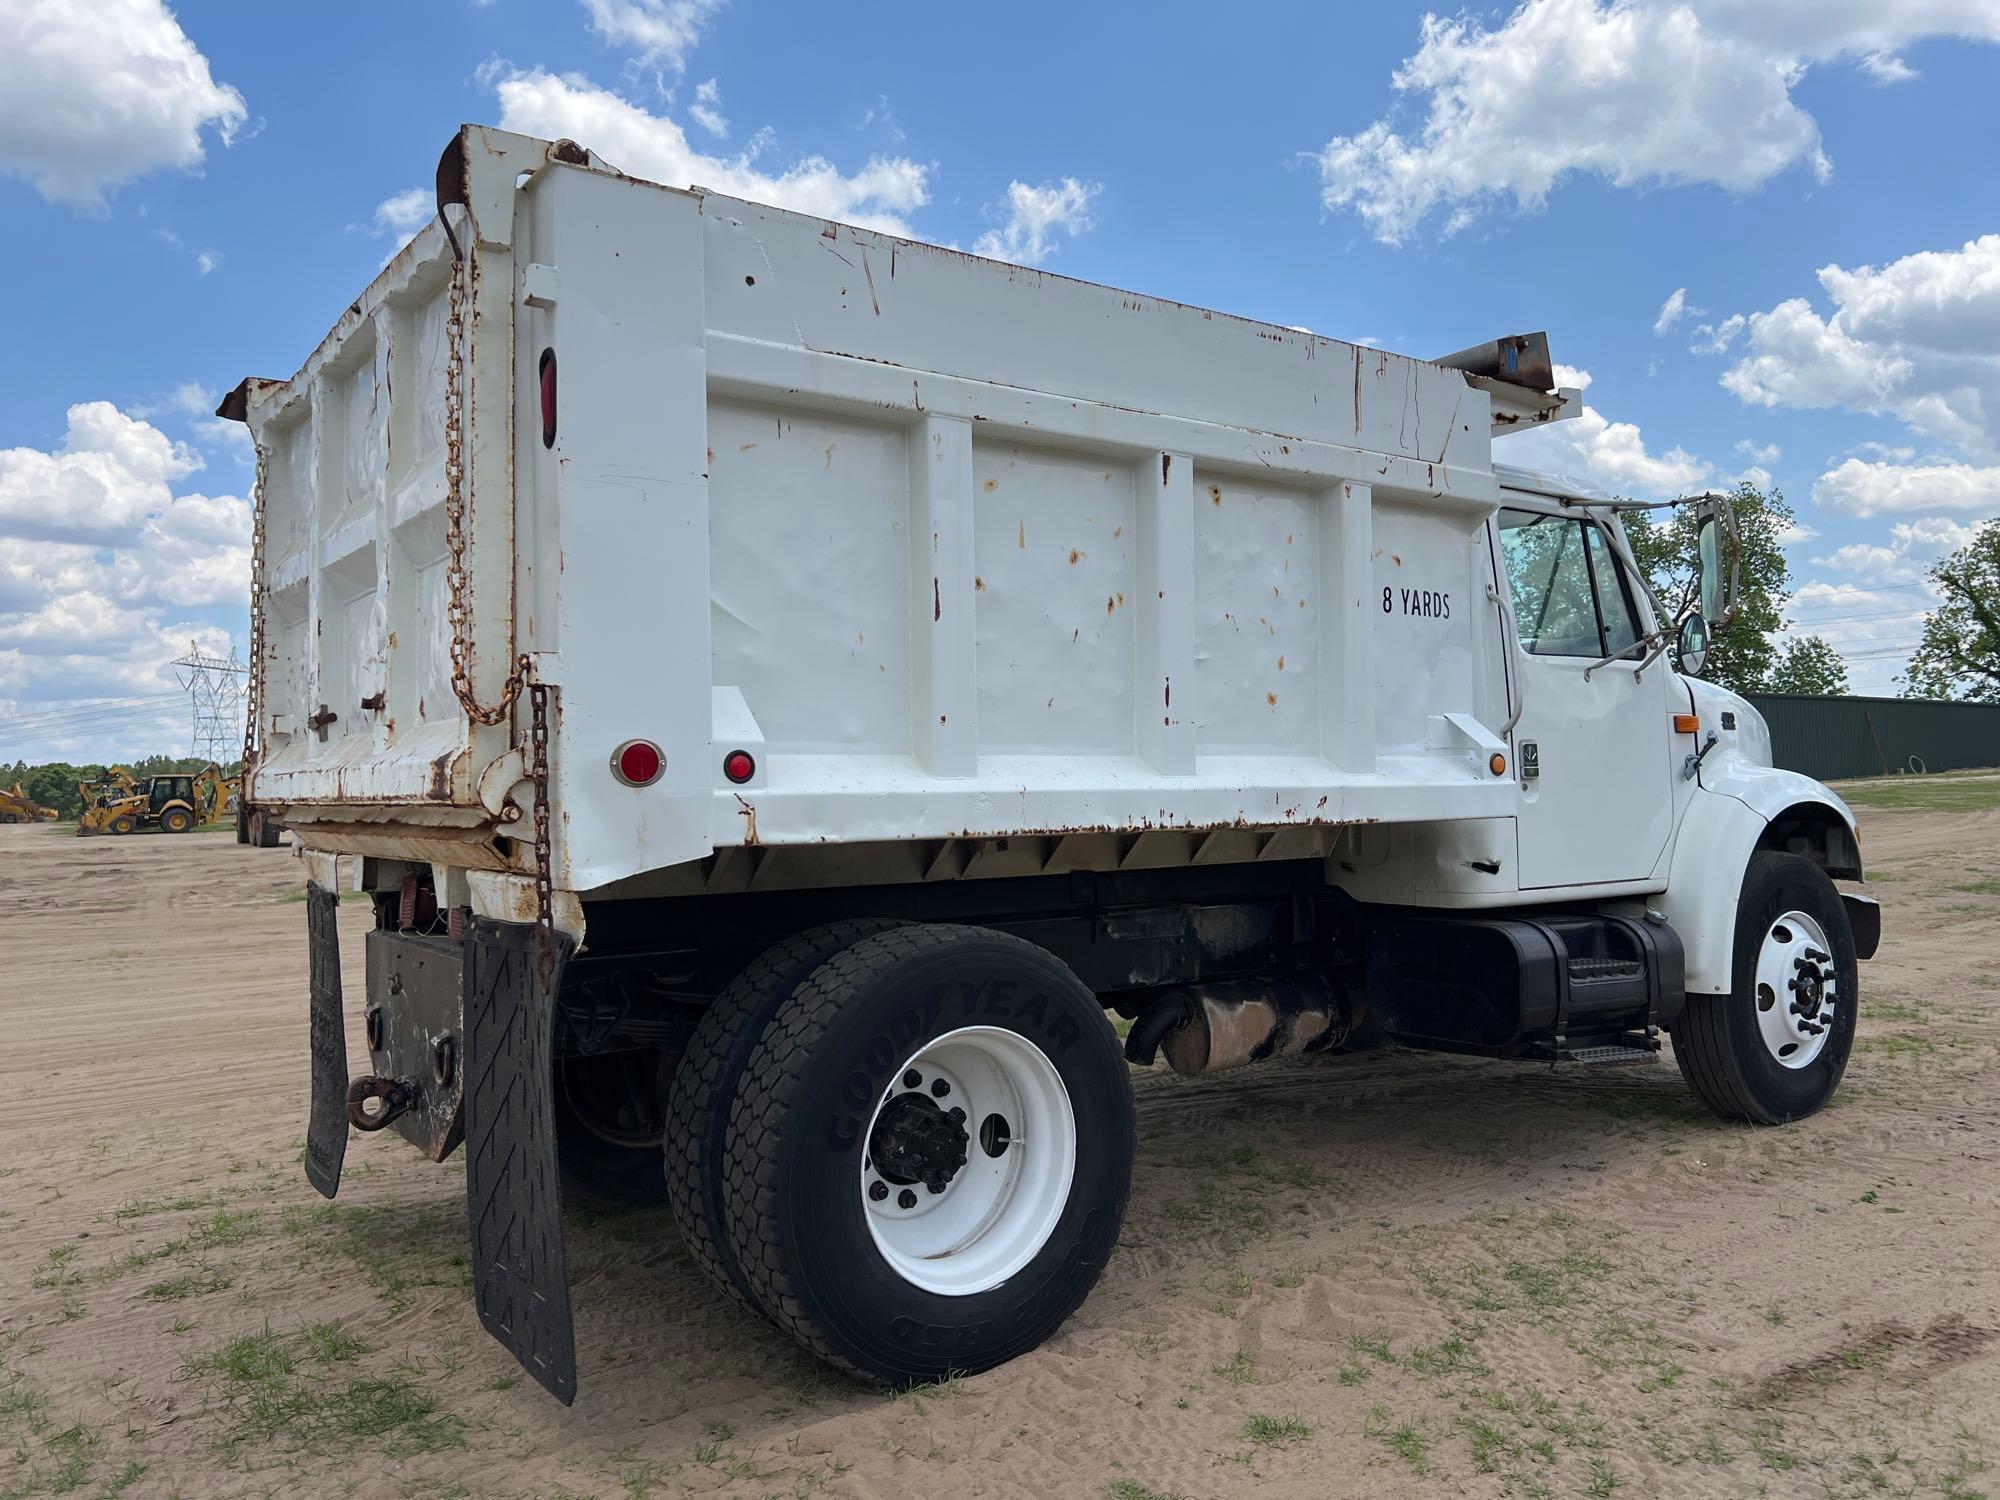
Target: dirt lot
1386	1275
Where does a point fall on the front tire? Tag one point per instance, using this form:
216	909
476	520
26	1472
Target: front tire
895	1239
1774	1048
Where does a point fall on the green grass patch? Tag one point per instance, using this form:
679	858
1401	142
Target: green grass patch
1241	1369
261	1384
1925	794
1276	1432
1452	1356
146	1208
192	1284
1897	1045
332	1344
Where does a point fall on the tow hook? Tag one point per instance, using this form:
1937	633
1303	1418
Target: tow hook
397	1096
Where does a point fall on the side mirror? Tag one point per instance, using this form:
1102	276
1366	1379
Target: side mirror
1717	550
1691	644
1709	547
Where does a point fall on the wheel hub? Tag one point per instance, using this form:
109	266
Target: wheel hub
916	1141
968	1160
1796	989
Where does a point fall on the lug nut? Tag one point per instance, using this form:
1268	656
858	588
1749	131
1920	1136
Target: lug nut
939	1088
878	1191
956	1115
913	1079
935	1187
906	1199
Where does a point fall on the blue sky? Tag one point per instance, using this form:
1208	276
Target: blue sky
1767	230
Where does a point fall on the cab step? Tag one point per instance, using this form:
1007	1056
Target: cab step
1609	1056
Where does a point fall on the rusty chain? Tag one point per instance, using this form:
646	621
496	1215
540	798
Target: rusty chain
253	692
457	617
538	771
456	612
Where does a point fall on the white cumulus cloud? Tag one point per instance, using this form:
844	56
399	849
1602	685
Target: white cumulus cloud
1918	338
1911	547
1638	92
1035	216
1857	487
105	574
404	213
1671	311
877	195
111	472
1612	455
660	33
707	108
96	94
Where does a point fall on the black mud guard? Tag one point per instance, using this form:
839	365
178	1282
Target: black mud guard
326	1133
520	1276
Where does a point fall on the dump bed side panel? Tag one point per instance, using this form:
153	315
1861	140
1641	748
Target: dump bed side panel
956	549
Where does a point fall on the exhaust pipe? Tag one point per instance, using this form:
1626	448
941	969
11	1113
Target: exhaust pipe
1210	1028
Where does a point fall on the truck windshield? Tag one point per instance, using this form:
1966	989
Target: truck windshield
1569	597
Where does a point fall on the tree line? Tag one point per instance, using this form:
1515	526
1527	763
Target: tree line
54	783
1958	657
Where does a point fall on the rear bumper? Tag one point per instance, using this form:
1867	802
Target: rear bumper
416	1032
461	1036
1864	920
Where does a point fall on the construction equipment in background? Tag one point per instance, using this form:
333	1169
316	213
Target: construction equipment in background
115	785
174	803
16	806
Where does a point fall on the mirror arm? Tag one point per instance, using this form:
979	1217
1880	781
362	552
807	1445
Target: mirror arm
1510	641
1657	638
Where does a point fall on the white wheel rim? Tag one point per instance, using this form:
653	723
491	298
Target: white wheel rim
1796	990
997	1210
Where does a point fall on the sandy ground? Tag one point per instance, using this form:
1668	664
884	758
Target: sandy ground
1387	1275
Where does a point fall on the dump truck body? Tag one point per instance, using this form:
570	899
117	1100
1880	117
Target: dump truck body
953	548
779	686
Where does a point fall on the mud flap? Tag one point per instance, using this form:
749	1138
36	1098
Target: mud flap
326	1134
520	1276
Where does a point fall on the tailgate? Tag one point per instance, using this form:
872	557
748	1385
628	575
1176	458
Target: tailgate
357	701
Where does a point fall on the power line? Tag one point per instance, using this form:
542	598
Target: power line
86	709
1887	614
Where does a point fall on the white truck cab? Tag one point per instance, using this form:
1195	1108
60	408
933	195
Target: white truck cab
781	689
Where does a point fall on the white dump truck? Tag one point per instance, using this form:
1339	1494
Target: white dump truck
782	688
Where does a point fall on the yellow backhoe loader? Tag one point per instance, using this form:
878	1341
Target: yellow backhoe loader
174	803
16	806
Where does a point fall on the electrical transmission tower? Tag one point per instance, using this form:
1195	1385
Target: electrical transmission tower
216	687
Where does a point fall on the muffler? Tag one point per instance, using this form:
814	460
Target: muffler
1209	1028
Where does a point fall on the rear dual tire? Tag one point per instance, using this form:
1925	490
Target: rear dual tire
855	1212
703	1092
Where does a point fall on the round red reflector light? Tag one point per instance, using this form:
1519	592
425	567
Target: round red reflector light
638	763
738	766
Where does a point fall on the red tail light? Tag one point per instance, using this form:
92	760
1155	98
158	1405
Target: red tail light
738	766
638	763
548	398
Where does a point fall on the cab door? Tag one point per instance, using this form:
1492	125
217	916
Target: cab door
1593	746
